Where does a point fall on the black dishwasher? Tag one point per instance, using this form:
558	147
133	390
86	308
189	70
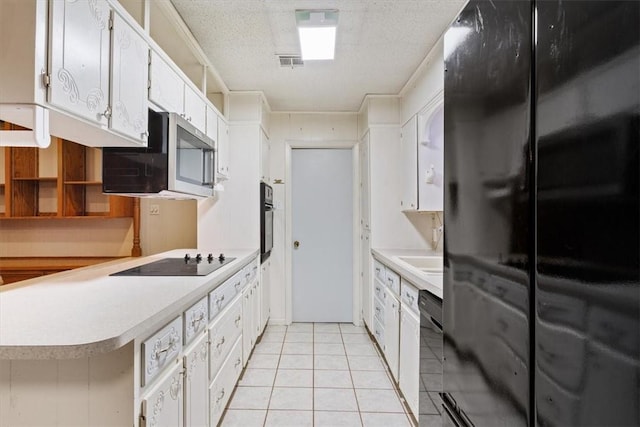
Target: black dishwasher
430	359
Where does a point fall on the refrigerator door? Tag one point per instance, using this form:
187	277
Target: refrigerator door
488	170
587	315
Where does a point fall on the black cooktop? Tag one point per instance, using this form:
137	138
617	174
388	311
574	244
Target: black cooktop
186	266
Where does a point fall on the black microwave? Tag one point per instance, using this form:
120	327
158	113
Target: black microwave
178	162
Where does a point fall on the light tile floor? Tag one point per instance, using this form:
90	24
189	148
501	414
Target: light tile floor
316	374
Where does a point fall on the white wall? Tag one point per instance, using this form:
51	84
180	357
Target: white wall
426	83
316	128
231	219
174	227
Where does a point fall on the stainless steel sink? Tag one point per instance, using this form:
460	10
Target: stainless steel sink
427	264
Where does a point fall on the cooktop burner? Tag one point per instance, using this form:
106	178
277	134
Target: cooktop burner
186	266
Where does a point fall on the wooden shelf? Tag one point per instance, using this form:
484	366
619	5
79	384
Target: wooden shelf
37	178
83	183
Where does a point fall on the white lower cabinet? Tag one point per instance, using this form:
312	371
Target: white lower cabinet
392	333
163	404
223	384
247	340
223	333
410	357
265	295
196	385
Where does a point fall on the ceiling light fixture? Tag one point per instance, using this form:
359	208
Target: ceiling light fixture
317	33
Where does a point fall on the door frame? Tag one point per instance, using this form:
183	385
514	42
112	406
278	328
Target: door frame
290	145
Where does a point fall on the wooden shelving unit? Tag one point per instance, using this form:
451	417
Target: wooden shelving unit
61	181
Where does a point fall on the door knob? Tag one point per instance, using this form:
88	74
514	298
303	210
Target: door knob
296	244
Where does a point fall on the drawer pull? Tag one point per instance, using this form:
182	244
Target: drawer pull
389	279
170	345
196	321
237	285
220	397
238	319
377	288
247	275
219	301
238	362
377	269
221	342
378	309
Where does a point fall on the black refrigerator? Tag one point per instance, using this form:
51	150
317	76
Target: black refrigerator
541	307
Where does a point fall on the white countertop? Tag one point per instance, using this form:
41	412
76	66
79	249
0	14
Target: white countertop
425	281
85	311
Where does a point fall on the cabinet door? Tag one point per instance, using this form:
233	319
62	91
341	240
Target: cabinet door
367	285
265	279
265	154
79	58
409	165
129	81
256	308
163	405
196	386
167	88
410	358
212	125
365	184
392	333
431	156
247	341
223	148
195	109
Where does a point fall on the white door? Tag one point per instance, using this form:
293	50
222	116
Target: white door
195	109
410	357
79	58
129	81
322	215
167	88
163	405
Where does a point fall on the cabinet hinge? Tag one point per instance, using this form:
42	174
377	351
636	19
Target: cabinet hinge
46	79
148	84
111	21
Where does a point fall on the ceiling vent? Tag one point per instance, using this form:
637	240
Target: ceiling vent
290	61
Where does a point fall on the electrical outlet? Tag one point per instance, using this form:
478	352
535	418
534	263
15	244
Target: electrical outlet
154	209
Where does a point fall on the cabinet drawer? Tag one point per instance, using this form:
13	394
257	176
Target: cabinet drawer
195	320
237	282
378	309
222	335
378	332
393	281
409	296
377	289
160	349
220	297
222	386
379	271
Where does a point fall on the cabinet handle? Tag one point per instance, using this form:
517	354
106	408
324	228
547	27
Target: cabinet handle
197	320
221	342
220	397
165	349
107	113
238	362
378	309
144	135
219	301
377	269
237	285
238	319
377	288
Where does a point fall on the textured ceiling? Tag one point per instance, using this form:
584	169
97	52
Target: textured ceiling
380	43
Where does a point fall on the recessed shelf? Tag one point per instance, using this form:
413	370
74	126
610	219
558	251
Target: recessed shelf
83	182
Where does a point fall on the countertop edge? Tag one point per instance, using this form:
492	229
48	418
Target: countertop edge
387	257
138	331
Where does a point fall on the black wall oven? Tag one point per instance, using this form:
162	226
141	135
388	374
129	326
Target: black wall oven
266	220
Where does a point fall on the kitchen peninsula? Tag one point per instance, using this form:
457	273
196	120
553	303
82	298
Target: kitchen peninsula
87	348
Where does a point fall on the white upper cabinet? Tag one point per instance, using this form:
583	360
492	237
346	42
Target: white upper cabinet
195	108
130	76
212	124
79	58
431	156
265	155
409	165
365	184
167	87
223	149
